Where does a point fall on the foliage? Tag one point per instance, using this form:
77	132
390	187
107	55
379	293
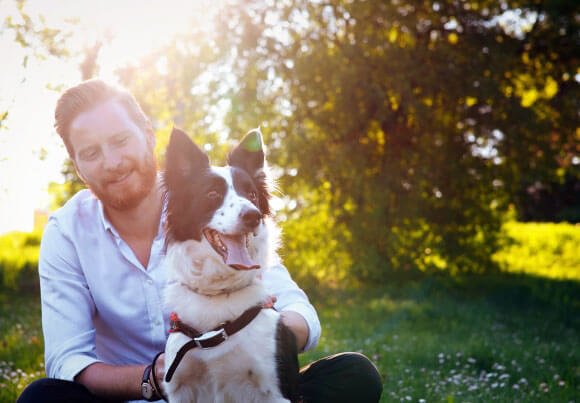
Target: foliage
419	121
551	201
546	250
19	260
311	252
61	192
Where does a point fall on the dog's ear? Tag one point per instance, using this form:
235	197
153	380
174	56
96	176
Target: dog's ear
183	157
249	154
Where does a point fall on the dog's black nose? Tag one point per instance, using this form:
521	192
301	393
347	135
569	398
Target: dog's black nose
250	218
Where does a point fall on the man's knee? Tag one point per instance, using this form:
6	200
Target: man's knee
363	373
344	377
48	390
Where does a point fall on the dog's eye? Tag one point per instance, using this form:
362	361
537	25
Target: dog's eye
214	194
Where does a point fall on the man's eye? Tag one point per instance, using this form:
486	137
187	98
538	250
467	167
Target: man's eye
88	155
121	141
213	195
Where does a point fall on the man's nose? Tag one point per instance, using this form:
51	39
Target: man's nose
112	159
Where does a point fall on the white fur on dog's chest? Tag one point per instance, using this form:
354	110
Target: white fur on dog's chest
241	369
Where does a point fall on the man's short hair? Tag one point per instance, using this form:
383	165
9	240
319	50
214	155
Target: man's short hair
87	95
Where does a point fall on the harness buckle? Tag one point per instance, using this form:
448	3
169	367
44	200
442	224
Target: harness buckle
213	337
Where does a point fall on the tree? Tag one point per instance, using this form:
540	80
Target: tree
414	123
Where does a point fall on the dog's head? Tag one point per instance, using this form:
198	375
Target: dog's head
216	215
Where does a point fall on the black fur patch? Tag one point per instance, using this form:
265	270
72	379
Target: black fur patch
287	362
188	182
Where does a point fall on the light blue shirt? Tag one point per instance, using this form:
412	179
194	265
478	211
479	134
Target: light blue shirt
99	304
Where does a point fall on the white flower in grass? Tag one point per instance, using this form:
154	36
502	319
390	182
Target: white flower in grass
515	386
498	367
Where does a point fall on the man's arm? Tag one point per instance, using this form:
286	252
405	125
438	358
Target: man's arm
67	307
293	304
112	382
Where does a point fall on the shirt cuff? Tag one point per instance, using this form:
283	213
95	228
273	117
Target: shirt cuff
75	364
311	320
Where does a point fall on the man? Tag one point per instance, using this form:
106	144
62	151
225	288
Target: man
102	277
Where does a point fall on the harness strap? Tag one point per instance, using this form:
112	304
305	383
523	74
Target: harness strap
209	339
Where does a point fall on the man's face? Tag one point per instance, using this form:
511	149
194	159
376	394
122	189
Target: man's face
113	155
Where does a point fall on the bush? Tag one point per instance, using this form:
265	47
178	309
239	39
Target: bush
19	260
542	249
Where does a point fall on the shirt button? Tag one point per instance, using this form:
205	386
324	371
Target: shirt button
149	281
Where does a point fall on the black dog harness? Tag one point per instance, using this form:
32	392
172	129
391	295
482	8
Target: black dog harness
209	339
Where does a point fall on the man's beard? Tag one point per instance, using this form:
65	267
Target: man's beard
130	196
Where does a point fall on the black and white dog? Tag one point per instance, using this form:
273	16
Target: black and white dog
224	346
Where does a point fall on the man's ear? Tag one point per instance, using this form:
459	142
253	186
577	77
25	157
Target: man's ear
183	157
78	171
150	136
249	154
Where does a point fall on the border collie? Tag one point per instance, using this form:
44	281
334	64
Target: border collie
223	346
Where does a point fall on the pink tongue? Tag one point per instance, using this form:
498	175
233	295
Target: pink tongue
238	257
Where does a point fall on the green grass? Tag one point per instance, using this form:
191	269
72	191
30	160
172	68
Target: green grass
21	345
471	340
509	337
475	340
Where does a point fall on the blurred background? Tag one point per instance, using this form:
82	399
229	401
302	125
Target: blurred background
424	151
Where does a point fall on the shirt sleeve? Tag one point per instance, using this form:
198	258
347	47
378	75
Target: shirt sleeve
290	297
67	306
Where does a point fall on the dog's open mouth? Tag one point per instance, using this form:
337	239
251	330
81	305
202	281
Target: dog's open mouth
232	248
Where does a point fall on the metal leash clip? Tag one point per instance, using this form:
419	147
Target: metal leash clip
201	341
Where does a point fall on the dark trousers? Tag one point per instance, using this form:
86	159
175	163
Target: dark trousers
345	377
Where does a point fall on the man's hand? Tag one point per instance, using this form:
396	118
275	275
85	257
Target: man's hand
159	374
295	322
269	302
